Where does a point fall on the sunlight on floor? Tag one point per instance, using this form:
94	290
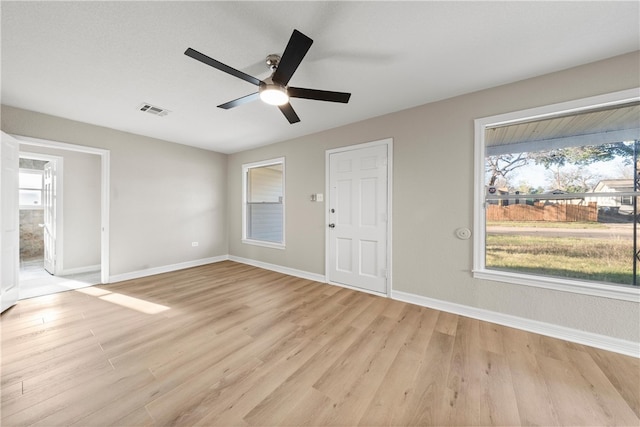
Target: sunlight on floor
94	292
140	305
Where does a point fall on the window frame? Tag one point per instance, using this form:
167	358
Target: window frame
245	170
480	271
41	189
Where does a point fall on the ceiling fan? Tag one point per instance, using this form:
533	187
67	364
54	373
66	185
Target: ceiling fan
274	90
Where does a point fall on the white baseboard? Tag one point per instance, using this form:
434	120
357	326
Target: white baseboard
280	269
165	269
629	348
80	270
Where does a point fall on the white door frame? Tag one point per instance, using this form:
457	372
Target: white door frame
104	190
9	223
59	161
388	142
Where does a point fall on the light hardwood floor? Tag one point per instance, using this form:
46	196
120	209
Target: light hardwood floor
233	345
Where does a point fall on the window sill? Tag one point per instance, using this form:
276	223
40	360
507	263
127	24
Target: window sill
272	245
618	292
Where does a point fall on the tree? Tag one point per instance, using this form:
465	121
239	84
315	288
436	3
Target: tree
573	179
583	155
501	165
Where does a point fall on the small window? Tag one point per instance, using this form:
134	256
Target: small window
30	188
555	196
263	203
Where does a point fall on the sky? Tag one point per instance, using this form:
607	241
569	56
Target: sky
537	176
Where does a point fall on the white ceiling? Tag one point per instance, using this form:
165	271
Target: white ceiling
96	62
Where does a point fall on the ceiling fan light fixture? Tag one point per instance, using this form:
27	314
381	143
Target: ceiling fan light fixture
273	94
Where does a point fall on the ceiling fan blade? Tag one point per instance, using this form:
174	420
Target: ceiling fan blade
296	49
289	113
318	95
220	66
240	101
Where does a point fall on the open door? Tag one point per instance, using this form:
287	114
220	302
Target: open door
49	205
9	222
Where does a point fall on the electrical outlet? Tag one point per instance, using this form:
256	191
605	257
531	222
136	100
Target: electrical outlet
194	244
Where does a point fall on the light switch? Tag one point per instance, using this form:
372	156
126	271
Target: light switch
319	197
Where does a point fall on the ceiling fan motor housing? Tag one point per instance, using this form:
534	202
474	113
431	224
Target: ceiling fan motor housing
272	61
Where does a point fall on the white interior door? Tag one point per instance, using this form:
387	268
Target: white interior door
358	216
9	222
49	205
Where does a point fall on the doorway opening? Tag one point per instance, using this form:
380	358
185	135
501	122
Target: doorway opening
62	248
40	199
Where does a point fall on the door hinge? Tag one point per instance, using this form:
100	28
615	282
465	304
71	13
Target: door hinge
383	273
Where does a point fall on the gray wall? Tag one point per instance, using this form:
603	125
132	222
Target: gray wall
81	206
163	195
433	168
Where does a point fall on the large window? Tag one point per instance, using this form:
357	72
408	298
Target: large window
556	196
263	203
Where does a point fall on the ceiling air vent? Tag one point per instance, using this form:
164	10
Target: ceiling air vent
152	109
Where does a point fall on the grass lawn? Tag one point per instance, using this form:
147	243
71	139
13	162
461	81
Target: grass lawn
546	224
602	260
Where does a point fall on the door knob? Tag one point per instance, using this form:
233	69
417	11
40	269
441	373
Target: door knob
332	225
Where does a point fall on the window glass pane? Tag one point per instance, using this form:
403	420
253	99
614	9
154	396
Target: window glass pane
28	179
264	221
264	209
30	197
265	184
560	195
568	238
591	168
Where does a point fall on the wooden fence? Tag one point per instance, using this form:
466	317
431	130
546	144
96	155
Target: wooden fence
540	212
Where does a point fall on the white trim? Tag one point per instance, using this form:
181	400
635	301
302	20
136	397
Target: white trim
104	190
617	345
480	271
264	244
166	268
279	269
80	270
389	143
618	292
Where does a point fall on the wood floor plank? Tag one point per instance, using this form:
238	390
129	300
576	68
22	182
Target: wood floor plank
528	381
237	345
603	392
392	400
428	404
276	407
624	374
